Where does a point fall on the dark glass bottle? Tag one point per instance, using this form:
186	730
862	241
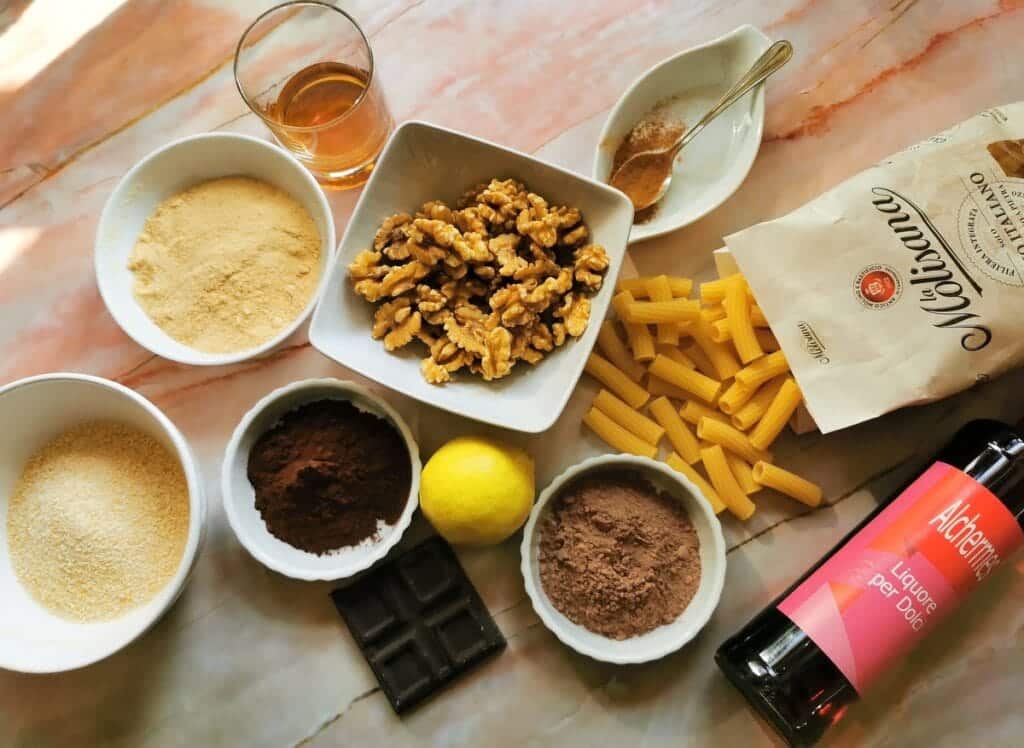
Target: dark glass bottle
785	675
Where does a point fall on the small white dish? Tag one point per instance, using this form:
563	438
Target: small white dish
714	165
167	171
240	498
664	639
35	411
424	162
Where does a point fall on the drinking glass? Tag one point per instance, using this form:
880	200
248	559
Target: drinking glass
306	68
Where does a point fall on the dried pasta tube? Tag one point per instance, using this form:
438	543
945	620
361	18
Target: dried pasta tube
712	313
725	483
680	286
777	415
720	330
676	355
658	289
641	342
751	413
737	311
611	345
629	418
735	397
721	355
757	318
765	368
616	380
694	382
656	312
693	411
660	388
731	439
743	473
615	436
787	483
679	434
677	463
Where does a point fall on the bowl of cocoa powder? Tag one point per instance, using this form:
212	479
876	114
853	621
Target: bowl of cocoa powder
623	559
320	479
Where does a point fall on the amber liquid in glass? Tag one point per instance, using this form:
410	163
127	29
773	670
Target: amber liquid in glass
333	118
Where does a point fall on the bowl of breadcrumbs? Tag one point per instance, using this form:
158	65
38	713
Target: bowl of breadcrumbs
103	513
213	249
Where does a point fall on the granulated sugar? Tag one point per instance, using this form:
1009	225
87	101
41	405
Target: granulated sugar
98	521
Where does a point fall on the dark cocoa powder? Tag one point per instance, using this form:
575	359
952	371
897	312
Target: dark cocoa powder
617	556
327	473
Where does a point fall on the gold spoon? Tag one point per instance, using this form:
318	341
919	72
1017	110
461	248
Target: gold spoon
638	176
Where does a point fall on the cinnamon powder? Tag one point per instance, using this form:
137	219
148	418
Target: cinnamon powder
655	131
617	556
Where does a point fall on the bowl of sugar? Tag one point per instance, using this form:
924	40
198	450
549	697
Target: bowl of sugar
103	513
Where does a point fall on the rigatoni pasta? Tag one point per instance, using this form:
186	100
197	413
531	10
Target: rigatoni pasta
719	364
725	484
787	483
613	349
777	415
675	462
732	439
616	380
641	342
694	382
737	315
679	434
659	290
630	419
615	436
661	312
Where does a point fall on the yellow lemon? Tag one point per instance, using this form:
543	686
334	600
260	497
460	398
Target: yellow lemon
477	491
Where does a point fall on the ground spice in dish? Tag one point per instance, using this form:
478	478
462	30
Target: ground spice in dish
655	130
618	557
327	474
227	264
98	521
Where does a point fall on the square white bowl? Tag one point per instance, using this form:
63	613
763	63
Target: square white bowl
424	162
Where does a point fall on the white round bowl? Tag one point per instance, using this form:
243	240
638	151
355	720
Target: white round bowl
664	639
167	171
35	411
240	498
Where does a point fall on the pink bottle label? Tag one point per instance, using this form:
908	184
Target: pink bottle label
910	566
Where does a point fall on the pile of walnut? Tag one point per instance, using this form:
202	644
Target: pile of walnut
503	278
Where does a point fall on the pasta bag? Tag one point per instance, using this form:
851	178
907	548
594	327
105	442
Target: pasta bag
904	284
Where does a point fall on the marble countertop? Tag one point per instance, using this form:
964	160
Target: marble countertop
247	657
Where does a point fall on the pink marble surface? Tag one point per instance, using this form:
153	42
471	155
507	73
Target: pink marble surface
247	657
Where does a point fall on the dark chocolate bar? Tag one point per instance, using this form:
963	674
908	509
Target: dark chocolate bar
419	622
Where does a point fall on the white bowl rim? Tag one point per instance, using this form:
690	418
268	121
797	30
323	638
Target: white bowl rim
714	576
196	502
558	406
233	357
381	547
757	134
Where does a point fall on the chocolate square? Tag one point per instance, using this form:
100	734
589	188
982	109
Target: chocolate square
419	622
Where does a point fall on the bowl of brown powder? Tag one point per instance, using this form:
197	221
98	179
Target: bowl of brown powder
320	479
213	249
103	513
623	559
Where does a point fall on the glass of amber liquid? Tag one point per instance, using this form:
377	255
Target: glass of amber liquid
306	68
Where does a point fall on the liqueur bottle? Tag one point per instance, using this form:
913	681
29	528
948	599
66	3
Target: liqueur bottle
803	660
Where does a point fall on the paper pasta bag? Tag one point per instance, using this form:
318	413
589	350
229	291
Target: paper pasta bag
904	284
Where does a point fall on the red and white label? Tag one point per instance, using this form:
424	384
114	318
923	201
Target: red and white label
872	601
